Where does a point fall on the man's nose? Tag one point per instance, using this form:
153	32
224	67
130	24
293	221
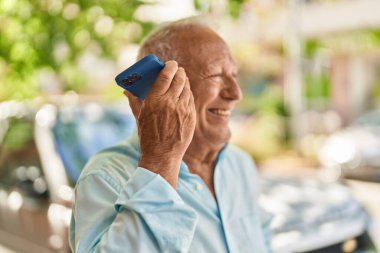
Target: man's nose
231	89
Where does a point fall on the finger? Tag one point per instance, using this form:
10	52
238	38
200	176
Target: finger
178	83
134	102
186	92
164	79
191	96
191	103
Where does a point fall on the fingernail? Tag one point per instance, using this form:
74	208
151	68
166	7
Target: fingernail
173	61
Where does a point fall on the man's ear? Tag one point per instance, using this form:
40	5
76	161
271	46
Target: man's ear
134	102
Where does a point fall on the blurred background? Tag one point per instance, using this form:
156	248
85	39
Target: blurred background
310	117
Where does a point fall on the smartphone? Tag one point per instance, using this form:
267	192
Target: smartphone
140	77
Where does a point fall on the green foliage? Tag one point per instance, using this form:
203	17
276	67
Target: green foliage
376	35
264	133
234	7
42	41
317	87
50	35
360	41
376	91
310	47
267	101
202	5
19	135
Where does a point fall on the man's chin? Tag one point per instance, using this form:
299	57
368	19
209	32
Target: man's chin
220	138
214	138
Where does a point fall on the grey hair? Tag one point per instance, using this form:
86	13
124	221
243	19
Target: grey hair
161	41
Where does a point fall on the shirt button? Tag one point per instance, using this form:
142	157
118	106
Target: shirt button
199	187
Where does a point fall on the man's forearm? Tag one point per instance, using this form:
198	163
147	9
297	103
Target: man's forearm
166	167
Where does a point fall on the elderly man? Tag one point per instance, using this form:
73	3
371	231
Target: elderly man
177	185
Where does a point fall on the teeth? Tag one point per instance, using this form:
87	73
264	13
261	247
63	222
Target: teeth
221	112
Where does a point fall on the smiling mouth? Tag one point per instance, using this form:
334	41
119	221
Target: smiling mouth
220	112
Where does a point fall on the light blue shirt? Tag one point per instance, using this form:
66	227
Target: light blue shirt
120	207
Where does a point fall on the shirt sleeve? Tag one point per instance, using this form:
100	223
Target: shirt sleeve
145	215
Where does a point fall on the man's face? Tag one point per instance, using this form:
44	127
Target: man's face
213	79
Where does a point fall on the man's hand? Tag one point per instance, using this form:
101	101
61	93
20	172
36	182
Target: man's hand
165	121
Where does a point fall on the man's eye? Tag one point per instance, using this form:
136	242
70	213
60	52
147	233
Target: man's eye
215	76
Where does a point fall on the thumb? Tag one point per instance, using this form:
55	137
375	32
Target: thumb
134	102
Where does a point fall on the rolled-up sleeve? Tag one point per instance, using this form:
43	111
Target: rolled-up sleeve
144	215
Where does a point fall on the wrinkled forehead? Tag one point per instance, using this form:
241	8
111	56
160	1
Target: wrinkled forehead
203	46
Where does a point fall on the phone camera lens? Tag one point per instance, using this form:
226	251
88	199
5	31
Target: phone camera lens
127	81
134	77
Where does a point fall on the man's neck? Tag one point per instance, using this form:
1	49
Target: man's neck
200	159
201	154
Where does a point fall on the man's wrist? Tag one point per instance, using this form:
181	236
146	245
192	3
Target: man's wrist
166	168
